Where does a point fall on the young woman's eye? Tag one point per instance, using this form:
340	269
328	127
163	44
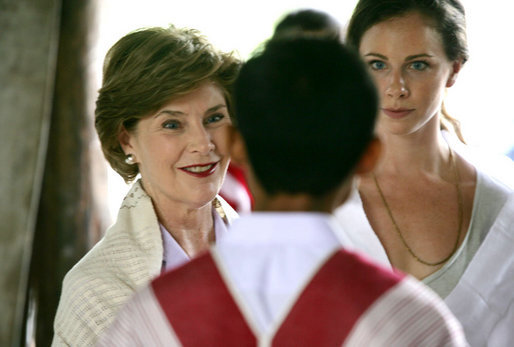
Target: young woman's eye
377	65
171	124
214	118
419	65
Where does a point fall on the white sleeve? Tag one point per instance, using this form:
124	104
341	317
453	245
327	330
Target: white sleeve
141	322
409	314
503	333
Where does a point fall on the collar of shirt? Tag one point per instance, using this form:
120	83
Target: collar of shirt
268	256
173	254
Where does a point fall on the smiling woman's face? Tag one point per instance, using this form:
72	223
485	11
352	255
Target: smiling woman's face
182	150
411	70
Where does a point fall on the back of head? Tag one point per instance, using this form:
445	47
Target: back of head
307	22
306	109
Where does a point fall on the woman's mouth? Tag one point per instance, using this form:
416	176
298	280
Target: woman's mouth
200	170
397	113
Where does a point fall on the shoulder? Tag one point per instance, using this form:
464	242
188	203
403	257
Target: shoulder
141	309
498	166
128	256
94	290
88	302
491	197
362	270
408	314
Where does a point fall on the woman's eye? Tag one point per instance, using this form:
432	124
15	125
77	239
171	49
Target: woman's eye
377	65
419	65
171	124
214	118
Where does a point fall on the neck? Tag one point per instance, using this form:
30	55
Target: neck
302	202
197	220
191	226
425	151
193	229
291	203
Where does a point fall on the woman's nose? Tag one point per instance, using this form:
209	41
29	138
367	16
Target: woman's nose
396	87
200	141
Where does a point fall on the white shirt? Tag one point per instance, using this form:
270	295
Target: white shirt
281	236
266	260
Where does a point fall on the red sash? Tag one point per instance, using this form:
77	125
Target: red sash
202	311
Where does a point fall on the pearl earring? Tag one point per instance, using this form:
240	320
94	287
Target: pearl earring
130	159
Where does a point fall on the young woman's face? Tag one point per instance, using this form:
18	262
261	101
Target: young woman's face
407	60
182	150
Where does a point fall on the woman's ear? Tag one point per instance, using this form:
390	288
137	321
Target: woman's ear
370	157
124	140
457	65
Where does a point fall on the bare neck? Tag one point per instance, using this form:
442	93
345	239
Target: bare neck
191	227
423	151
302	202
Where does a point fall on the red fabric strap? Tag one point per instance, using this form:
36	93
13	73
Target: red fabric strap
200	308
334	300
202	311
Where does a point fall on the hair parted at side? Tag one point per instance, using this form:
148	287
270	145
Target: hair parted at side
447	16
148	68
306	109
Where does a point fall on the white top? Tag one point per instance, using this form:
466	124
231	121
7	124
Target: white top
490	197
261	258
483	300
477	274
266	260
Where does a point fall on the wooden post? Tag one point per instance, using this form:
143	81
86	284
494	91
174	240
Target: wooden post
28	46
69	218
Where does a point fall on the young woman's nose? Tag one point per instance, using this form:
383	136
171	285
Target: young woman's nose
396	86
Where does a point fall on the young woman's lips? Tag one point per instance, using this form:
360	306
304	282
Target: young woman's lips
397	113
200	170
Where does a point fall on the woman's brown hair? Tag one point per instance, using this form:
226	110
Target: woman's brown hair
146	69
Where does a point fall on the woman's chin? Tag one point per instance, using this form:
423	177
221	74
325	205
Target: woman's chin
203	199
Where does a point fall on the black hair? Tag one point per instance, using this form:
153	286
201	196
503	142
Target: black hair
306	109
307	22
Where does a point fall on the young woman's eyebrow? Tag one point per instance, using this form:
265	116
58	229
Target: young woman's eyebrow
383	57
416	56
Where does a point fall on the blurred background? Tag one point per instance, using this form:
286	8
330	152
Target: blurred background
58	195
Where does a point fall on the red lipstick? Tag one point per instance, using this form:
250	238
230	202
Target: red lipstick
200	170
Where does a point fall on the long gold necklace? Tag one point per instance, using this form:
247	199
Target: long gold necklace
461	212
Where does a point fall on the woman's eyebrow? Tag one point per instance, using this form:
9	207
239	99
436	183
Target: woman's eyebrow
182	114
376	55
170	113
416	56
216	108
